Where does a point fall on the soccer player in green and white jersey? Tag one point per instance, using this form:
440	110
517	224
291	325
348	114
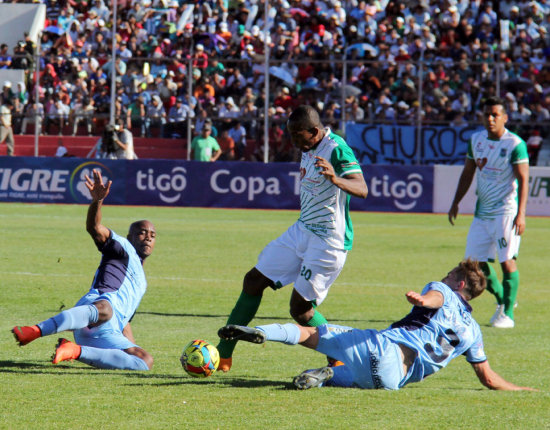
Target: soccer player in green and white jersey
312	252
502	164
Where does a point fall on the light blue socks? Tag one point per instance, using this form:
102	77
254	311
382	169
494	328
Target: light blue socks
71	319
111	359
287	333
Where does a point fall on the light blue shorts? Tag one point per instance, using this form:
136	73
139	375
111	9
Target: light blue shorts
107	335
374	360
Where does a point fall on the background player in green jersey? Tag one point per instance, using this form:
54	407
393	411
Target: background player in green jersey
502	164
312	252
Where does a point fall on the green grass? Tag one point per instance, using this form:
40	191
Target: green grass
47	261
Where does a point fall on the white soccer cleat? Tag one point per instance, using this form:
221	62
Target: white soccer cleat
498	313
504	321
313	378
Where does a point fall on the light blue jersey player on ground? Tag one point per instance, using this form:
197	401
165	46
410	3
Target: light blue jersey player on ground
101	319
439	328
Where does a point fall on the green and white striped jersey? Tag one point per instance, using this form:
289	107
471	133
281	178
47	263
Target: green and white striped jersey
324	206
496	184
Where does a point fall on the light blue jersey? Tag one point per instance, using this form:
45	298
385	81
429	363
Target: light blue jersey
438	335
373	358
120	280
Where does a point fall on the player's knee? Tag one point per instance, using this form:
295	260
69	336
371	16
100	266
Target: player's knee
254	282
105	310
148	358
300	314
142	354
509	266
300	309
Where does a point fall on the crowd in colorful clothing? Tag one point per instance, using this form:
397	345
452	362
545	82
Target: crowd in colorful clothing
464	50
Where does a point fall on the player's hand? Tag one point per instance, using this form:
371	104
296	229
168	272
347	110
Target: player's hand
519	224
453	212
415	298
98	190
325	168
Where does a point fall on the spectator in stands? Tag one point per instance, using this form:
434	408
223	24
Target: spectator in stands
177	118
249	115
202	118
23	60
354	112
135	115
204	91
58	115
204	147
463	30
229	110
124	141
6	131
238	133
17	114
156	116
82	110
534	144
7	93
102	101
5	57
34	114
227	145
200	58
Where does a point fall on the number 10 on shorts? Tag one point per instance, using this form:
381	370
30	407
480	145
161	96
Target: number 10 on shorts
306	273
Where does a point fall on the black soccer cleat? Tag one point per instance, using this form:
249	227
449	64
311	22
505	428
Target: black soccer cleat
313	378
241	332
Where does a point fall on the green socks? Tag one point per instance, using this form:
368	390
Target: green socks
493	284
510	284
243	312
317	319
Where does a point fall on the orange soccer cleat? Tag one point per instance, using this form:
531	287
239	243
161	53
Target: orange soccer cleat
26	334
65	350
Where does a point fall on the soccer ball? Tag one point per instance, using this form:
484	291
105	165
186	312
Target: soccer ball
200	359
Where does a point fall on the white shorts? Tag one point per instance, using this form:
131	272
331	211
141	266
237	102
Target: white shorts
301	257
490	237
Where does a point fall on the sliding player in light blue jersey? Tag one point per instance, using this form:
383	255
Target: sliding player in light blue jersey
439	328
502	164
312	252
101	319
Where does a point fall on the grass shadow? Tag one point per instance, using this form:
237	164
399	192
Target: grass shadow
230	382
36	367
268	318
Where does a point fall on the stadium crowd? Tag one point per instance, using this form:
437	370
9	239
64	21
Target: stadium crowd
468	49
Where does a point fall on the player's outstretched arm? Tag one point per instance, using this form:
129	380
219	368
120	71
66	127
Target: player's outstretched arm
432	299
493	380
98	191
464	183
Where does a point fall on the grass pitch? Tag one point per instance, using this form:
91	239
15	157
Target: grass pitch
47	262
